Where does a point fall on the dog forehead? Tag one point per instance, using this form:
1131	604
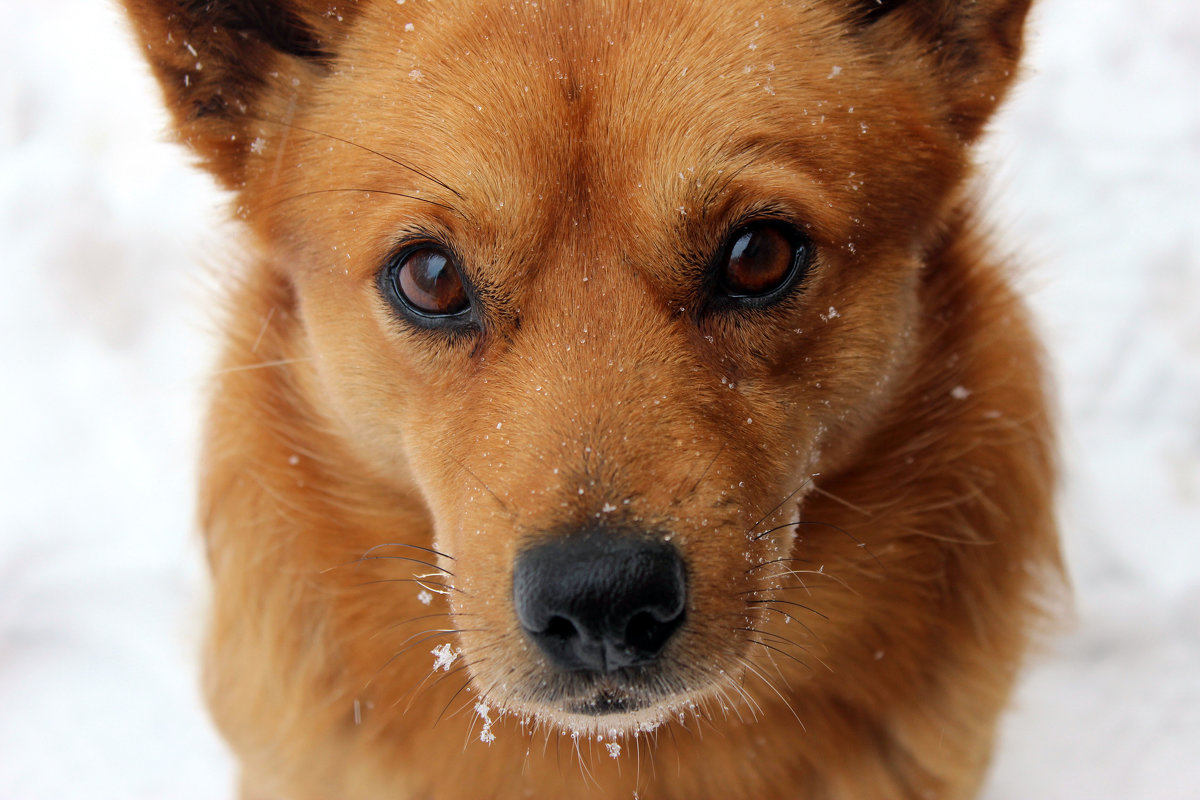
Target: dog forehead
585	111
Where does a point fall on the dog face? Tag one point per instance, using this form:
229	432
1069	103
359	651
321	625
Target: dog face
603	290
608	315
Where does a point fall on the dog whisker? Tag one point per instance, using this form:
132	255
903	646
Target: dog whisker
483	484
447	614
426	635
680	496
415	691
358	562
822	491
279	362
810	651
778	638
583	769
719	694
772	601
780	651
429	586
776	576
796	573
784	501
437	587
446	631
454	696
749	699
406	544
484	705
768	606
438	574
466	665
783	698
772	562
777	528
858	542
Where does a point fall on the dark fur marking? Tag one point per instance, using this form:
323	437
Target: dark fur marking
270	21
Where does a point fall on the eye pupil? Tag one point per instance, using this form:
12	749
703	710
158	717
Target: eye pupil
760	259
429	281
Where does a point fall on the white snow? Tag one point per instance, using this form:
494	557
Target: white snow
484	712
106	236
443	657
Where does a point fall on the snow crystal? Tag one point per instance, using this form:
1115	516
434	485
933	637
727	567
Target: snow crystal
444	656
425	597
614	749
485	733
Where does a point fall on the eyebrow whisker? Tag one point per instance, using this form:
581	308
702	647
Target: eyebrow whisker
368	191
352	143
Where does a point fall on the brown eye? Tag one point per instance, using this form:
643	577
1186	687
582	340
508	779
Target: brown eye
428	281
760	259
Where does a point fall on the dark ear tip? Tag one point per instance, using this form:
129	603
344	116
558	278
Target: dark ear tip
279	26
869	11
209	106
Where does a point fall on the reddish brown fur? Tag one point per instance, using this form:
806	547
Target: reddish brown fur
581	157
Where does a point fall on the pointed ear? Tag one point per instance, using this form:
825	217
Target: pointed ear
972	47
223	63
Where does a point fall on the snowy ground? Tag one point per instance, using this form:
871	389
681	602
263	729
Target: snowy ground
103	349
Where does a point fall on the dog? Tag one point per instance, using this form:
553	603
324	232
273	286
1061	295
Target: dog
618	398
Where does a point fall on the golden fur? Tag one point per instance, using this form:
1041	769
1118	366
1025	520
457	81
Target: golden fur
859	479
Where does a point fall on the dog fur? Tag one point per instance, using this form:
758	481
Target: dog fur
859	477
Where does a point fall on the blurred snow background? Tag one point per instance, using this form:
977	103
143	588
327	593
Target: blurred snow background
103	233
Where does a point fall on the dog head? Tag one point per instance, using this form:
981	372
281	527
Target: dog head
607	286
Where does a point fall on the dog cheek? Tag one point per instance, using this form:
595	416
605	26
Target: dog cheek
359	381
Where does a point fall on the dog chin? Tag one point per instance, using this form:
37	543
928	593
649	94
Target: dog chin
613	718
613	712
604	704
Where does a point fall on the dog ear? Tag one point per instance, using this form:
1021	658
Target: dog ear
973	47
223	64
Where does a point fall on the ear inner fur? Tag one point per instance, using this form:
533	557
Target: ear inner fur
973	48
216	62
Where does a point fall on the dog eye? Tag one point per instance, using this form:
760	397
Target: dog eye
428	281
760	259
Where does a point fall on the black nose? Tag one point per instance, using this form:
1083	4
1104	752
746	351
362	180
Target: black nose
600	601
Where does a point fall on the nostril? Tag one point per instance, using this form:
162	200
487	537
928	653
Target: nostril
647	633
560	628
